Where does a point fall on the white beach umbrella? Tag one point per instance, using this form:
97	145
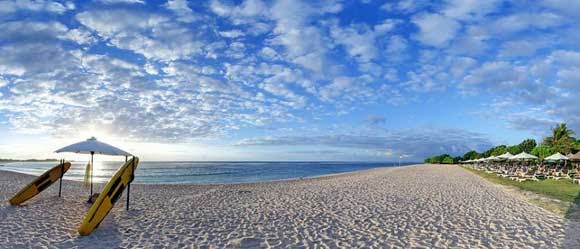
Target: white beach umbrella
92	146
523	156
505	156
556	157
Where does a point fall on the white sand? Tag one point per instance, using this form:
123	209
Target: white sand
417	206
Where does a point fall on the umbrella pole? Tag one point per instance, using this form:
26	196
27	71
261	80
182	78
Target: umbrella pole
92	154
61	175
129	184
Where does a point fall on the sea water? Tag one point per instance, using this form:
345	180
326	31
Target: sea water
202	172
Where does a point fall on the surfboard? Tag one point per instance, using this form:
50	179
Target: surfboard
108	197
40	183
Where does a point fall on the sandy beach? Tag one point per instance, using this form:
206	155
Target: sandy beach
423	206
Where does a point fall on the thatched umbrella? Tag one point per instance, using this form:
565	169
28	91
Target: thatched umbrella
575	157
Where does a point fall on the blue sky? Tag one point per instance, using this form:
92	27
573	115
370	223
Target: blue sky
288	79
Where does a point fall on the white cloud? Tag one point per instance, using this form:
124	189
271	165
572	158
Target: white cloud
235	33
338	87
435	29
121	1
397	44
244	13
523	22
538	125
292	25
183	12
566	57
405	6
571	7
495	76
81	36
569	78
150	35
359	41
469	9
269	53
417	143
28	45
363	89
461	65
472	42
385	26
3	82
10	6
151	69
523	47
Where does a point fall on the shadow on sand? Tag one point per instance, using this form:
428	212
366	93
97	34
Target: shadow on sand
28	225
106	235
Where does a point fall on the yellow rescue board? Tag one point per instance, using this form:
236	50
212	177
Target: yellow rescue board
108	197
40	183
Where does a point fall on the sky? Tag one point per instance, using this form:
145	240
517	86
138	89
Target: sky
287	79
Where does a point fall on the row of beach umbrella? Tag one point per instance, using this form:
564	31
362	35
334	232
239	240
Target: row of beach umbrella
525	157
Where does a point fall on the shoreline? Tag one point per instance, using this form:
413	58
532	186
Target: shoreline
416	206
202	184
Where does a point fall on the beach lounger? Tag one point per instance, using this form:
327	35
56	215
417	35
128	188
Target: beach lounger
540	177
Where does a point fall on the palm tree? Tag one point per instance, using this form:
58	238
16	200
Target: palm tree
561	139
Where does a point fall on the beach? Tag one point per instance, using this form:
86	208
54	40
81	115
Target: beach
419	206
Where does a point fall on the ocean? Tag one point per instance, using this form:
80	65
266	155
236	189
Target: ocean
155	172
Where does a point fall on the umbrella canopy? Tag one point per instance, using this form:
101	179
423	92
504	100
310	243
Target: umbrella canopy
575	157
505	156
523	156
92	146
556	157
491	158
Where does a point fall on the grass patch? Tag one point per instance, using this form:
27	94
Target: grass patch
562	189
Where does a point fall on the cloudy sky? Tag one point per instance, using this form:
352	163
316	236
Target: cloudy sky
287	79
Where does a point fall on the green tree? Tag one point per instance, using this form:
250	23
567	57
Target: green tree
495	151
515	149
470	155
576	145
542	151
527	145
486	153
561	139
498	150
447	160
444	158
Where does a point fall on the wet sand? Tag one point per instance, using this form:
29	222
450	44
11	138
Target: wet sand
429	206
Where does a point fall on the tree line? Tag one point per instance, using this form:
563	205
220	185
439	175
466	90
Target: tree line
562	140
